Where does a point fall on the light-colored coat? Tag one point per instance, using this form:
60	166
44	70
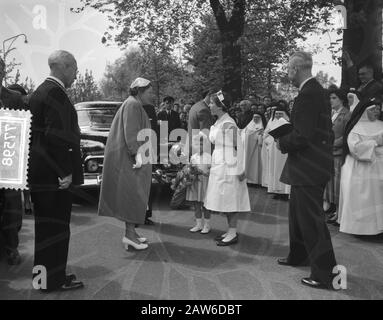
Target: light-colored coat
124	190
338	127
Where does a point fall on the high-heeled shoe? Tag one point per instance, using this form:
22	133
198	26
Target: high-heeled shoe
142	239
137	246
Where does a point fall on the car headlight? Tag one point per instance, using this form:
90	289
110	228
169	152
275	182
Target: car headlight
92	166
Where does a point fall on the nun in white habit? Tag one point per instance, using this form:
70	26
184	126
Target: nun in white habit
361	184
252	137
353	99
265	152
277	162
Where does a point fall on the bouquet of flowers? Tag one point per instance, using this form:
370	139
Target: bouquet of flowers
184	178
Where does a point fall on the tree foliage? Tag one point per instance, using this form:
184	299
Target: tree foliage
253	37
166	75
84	88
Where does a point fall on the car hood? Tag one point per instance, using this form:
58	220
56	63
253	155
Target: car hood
94	135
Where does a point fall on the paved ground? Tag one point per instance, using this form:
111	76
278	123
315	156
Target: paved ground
181	265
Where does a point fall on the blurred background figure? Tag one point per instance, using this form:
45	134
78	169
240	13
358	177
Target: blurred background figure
10	200
245	116
369	87
340	117
353	99
26	195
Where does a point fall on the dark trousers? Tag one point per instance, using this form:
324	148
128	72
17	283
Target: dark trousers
11	217
150	204
52	233
310	240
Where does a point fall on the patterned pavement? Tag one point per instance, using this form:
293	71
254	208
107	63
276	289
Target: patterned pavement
182	265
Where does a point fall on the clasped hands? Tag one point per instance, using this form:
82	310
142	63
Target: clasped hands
65	182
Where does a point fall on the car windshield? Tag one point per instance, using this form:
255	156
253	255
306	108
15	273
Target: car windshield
96	118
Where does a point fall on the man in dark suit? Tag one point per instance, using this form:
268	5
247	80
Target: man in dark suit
246	114
308	168
369	88
200	117
169	115
55	168
10	200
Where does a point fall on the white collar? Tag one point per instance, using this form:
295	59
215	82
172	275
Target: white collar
304	82
57	80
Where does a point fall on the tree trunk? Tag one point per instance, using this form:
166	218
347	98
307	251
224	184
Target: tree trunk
231	57
362	40
269	80
231	30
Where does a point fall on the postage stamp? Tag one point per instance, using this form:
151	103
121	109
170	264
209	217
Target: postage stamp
15	129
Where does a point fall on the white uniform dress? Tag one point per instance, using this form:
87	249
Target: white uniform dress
361	183
225	192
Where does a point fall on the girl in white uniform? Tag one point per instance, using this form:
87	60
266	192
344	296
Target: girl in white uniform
227	189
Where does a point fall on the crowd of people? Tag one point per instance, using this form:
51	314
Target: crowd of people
329	167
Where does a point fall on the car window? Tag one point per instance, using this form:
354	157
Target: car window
96	118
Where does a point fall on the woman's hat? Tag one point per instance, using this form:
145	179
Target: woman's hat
139	83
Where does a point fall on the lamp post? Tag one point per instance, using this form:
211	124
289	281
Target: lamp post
9	48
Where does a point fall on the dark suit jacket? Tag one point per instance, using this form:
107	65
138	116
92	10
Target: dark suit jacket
309	145
338	128
55	147
12	99
174	121
371	90
200	117
152	115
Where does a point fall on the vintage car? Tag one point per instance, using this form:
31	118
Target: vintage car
95	119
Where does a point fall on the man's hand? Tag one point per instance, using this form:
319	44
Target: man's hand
242	176
65	182
138	163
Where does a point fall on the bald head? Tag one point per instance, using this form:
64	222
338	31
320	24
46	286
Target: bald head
300	67
302	60
60	58
63	66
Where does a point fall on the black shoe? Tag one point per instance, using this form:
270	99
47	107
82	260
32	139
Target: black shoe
331	218
287	262
331	210
149	222
218	238
28	212
70	278
73	285
14	258
315	284
221	243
